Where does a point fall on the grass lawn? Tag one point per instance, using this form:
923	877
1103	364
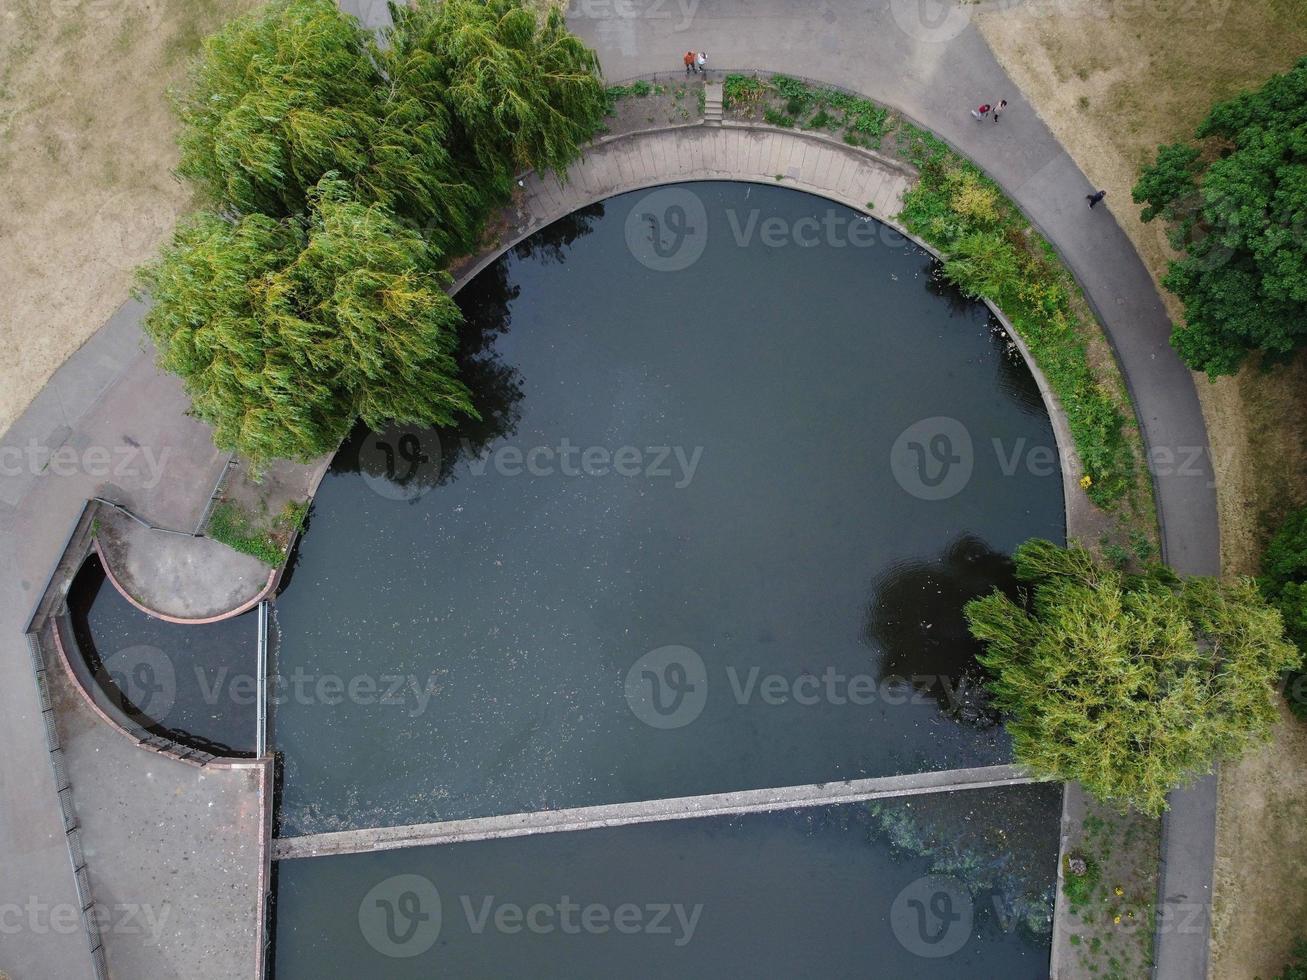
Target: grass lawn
86	154
1113	80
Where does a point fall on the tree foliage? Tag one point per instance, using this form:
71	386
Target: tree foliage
1129	684
1284	583
523	93
1235	203
286	331
342	175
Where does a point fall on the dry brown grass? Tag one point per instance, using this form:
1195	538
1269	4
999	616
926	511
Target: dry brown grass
1113	80
86	154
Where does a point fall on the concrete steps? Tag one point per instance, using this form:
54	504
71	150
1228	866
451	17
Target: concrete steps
712	105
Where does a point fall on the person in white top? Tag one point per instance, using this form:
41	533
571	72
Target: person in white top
699	61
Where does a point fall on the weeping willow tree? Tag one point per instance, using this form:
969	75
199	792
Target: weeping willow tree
1129	684
435	125
296	90
287	330
342	175
522	91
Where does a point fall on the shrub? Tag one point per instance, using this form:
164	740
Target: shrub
1079	889
1284	583
743	92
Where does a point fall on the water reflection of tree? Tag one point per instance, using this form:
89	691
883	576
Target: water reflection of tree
496	386
915	620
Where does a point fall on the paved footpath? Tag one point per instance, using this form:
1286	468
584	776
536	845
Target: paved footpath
108	398
925	59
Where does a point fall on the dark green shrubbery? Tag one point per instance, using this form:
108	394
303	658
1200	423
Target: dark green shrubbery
1284	583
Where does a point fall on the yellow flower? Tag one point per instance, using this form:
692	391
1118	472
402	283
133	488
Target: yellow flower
1116	919
1086	482
1119	890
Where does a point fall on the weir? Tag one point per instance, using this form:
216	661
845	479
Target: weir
646	811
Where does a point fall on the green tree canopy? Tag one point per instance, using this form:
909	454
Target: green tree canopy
1284	583
287	330
524	93
1129	684
295	90
434	126
1236	205
342	174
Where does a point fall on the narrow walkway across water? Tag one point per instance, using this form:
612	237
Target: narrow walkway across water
649	811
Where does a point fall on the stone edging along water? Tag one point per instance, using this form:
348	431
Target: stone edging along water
54	667
545	200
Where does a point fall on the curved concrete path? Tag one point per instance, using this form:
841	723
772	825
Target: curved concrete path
925	59
108	398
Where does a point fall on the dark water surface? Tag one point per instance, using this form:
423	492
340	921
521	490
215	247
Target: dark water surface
687	549
193	684
820	892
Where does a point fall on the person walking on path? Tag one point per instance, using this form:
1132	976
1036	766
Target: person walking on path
700	61
1095	197
689	62
981	112
1002	104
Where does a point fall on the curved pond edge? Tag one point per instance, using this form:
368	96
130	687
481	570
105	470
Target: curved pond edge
1078	507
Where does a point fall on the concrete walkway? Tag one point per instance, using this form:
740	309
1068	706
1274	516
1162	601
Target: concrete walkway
109	400
120	431
646	811
928	61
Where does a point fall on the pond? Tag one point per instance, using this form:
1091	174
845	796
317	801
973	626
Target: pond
193	684
949	885
713	531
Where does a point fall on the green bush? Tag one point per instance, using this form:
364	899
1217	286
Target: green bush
742	91
1079	889
992	253
774	117
1284	583
229	525
1296	968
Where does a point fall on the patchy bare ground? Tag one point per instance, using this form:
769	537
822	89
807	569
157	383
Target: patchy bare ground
1260	895
1114	79
86	154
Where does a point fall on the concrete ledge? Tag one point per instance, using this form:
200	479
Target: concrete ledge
647	811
